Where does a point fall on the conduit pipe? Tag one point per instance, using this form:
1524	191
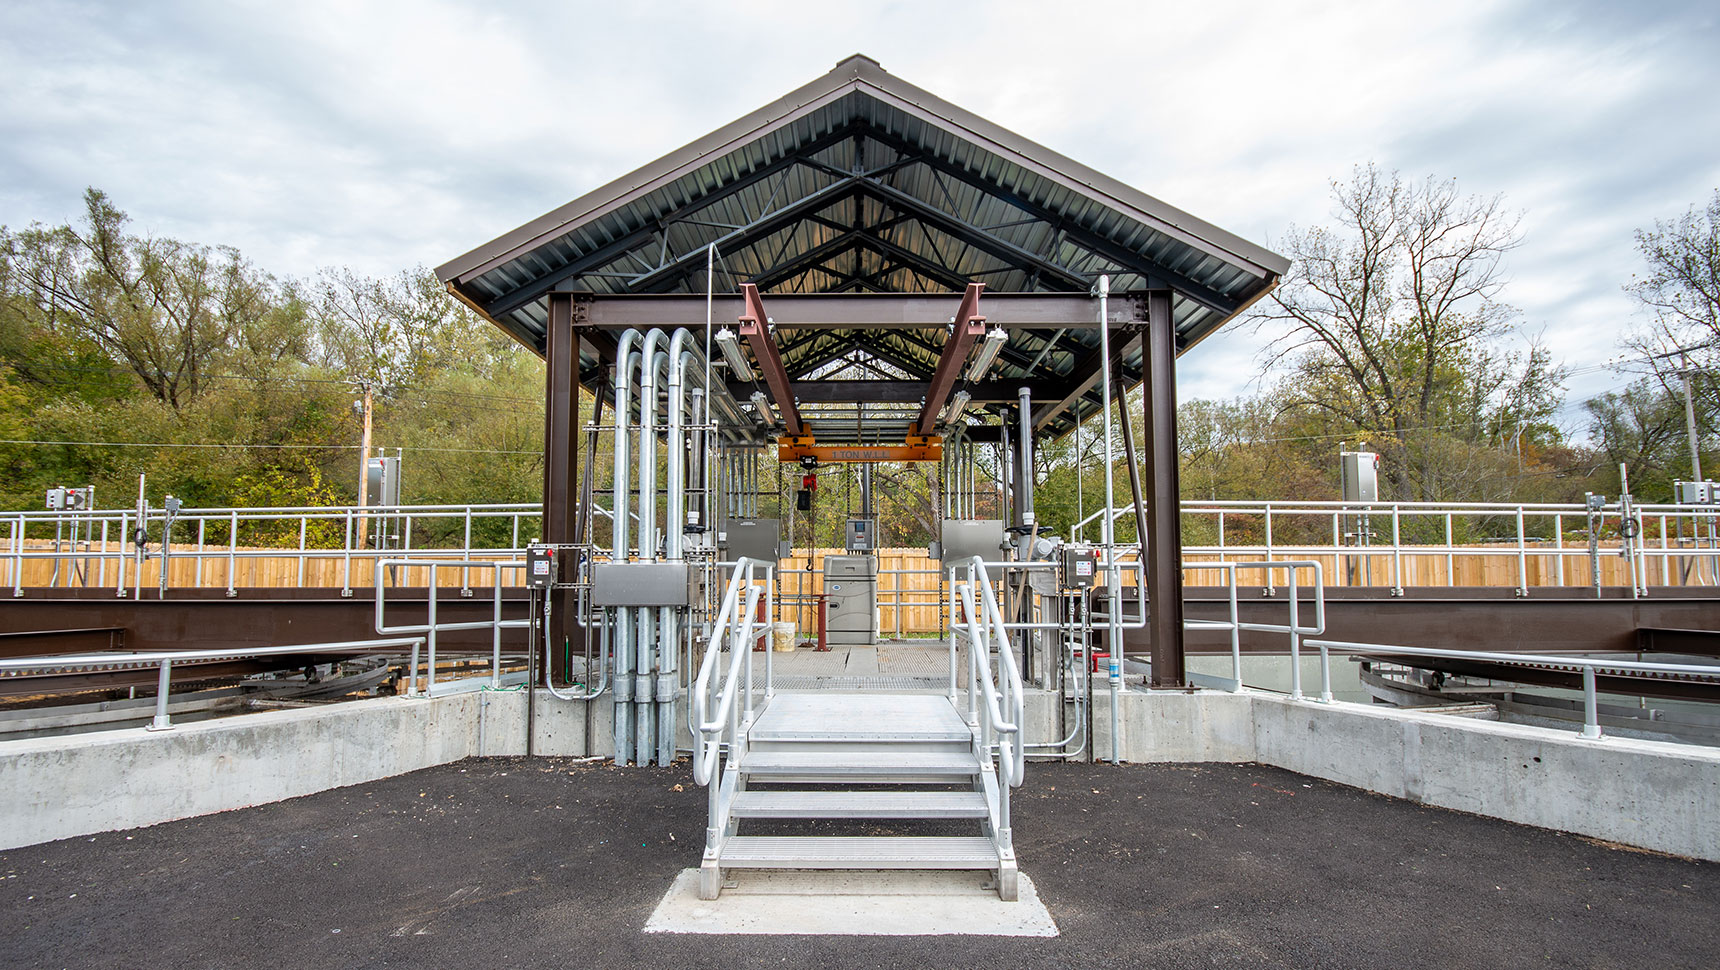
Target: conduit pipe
627	361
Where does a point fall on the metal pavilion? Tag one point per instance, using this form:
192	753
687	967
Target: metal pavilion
861	211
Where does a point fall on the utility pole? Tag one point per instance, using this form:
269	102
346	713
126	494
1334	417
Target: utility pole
364	469
1690	423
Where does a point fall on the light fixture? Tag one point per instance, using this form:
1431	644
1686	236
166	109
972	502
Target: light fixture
987	352
762	403
958	404
732	352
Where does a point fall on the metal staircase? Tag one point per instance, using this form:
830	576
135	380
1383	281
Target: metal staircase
780	756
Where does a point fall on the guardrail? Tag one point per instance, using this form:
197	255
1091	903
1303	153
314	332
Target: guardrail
430	628
997	710
165	659
1392	544
1591	715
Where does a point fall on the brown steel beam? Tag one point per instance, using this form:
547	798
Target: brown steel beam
968	327
1164	503
755	326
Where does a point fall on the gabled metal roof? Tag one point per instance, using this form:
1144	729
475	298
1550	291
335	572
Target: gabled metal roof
860	182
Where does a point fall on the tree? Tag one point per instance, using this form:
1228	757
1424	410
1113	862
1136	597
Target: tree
1681	291
1390	323
164	309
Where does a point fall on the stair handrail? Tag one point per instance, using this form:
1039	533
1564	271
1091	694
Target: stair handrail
986	632
737	623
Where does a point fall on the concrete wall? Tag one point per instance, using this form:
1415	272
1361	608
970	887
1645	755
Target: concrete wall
1650	794
1644	793
54	788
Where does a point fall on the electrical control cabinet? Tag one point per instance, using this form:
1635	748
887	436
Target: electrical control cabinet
540	567
1077	566
860	535
1361	473
1697	493
851	600
751	539
69	499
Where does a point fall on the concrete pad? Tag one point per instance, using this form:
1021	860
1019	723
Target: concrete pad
890	903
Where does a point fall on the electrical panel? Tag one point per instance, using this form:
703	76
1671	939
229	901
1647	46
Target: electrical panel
1361	472
860	535
645	584
1077	566
540	567
69	499
1697	493
751	539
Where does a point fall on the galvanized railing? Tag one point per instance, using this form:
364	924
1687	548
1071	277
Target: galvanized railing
1388	544
165	659
432	626
717	697
1591	715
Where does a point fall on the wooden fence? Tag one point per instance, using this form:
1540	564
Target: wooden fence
910	594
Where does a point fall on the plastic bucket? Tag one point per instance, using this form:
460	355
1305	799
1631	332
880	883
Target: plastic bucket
782	637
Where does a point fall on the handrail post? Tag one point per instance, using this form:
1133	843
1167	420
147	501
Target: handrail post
1270	589
1559	544
496	636
119	552
1397	555
18	556
303	528
466	553
346	568
1325	675
1591	708
1235	632
232	550
1295	639
162	722
1522	556
430	645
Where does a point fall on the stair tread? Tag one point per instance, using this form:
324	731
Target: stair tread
859	852
860	717
893	761
859	804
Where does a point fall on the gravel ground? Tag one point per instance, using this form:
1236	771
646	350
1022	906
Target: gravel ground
546	862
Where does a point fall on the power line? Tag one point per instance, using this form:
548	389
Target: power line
275	447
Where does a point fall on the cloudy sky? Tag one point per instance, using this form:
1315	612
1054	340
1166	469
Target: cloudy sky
382	135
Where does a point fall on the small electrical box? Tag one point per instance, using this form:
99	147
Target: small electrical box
860	535
71	499
540	566
1697	493
1077	566
1361	474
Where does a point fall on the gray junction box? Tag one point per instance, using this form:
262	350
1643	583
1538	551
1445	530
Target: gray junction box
644	584
967	538
851	600
752	539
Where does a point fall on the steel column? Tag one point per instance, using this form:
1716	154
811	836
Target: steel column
1164	520
561	511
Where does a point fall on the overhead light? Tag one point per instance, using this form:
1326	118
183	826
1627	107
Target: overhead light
958	404
987	352
736	357
762	403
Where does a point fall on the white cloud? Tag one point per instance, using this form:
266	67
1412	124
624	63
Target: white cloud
383	134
